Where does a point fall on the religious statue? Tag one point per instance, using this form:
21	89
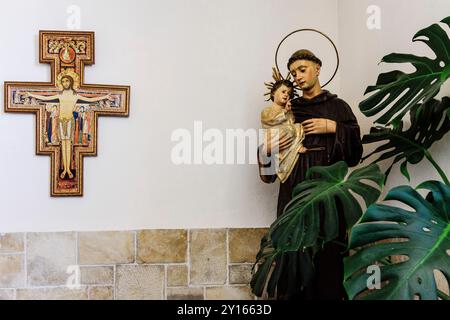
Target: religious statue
332	134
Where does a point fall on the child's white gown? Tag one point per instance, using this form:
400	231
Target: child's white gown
276	122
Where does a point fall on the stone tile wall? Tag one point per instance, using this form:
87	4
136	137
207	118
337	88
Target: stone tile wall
146	264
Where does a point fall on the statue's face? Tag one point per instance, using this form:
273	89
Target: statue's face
306	73
66	83
281	95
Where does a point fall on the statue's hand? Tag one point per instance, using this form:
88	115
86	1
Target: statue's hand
288	105
319	126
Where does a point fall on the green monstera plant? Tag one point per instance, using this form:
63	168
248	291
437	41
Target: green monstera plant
298	227
429	123
427	234
398	91
300	224
408	246
383	233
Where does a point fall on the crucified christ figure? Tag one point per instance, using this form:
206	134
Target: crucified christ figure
68	98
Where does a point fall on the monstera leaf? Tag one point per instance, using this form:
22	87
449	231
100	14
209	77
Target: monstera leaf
423	235
429	123
299	226
273	263
410	88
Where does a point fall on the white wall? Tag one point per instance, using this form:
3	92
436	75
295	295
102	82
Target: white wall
185	60
362	50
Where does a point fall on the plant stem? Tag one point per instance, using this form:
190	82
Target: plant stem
442	295
436	166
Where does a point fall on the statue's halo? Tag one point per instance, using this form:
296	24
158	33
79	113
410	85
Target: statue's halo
310	30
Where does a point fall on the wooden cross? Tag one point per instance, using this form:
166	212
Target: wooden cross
66	108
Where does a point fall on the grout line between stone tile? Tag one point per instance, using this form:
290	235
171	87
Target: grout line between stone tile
97	265
83	286
188	248
164	288
93	285
17	253
114	281
228	256
135	247
25	258
88	291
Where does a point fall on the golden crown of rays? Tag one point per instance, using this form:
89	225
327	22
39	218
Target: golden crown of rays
276	76
70	73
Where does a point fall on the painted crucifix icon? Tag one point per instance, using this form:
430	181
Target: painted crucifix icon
66	108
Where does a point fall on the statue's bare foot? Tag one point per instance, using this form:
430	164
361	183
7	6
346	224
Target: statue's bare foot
63	174
70	175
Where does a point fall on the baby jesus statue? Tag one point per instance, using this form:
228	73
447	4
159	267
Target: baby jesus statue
278	121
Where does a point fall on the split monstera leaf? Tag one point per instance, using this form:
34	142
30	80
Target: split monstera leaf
429	123
397	92
426	230
299	226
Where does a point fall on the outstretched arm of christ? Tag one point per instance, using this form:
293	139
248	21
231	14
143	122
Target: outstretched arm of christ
95	99
39	97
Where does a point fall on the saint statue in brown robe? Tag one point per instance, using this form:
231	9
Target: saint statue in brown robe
332	135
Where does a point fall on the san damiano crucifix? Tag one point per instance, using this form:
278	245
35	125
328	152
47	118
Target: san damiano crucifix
66	108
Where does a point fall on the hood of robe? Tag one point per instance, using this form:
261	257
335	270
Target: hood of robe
324	96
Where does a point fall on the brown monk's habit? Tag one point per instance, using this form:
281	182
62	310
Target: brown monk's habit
345	145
